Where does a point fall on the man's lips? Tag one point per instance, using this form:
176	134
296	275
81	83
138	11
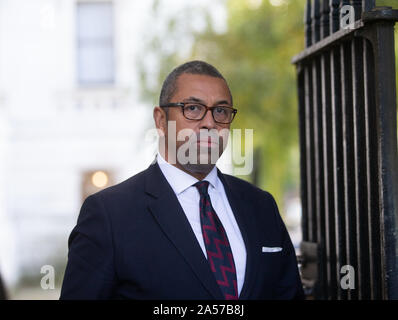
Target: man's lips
207	142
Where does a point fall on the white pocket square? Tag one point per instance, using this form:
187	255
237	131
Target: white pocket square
271	249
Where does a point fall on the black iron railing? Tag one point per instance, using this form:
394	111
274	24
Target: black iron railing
348	140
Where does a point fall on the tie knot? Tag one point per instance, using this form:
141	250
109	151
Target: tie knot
202	187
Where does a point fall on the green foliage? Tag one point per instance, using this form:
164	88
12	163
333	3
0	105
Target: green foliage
255	55
387	3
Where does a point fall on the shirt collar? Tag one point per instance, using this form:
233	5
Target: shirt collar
180	180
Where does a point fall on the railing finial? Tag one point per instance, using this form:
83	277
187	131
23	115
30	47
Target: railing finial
307	24
368	5
316	17
334	15
325	19
357	4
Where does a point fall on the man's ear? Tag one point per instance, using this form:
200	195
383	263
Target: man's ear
160	117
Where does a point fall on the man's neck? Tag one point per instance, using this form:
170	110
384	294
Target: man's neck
197	175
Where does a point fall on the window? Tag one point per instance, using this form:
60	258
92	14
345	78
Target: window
95	48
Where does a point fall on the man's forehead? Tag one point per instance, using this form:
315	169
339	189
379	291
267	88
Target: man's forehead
202	87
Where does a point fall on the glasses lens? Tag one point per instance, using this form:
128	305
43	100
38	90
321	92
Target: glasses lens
194	111
223	114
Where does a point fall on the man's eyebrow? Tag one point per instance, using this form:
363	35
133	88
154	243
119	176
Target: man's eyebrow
222	102
194	99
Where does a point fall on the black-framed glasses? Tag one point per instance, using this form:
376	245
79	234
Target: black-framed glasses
197	111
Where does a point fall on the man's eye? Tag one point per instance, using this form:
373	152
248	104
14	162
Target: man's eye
193	107
220	110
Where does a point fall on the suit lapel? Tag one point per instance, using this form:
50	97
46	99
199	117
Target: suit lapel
176	226
247	228
166	209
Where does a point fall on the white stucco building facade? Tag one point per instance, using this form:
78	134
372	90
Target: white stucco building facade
61	116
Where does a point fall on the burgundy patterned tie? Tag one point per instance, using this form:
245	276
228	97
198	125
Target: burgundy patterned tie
218	250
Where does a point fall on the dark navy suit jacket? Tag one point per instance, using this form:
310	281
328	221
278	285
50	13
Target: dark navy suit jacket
133	241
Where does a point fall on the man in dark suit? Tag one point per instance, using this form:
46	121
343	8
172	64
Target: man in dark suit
181	229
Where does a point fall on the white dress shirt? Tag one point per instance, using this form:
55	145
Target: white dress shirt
188	196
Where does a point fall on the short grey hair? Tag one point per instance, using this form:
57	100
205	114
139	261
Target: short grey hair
169	86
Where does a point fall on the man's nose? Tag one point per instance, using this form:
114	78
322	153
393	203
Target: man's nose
208	121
